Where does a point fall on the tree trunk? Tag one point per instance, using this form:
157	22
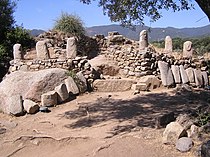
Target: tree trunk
205	6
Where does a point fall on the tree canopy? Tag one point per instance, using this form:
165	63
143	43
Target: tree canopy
129	12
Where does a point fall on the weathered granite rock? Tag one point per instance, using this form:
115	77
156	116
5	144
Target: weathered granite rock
187	49
71	86
42	50
17	51
62	91
168	45
71	48
183	74
205	149
198	77
81	82
176	73
49	99
190	75
173	132
113	85
31	85
151	81
15	105
166	73
143	40
184	144
205	78
30	106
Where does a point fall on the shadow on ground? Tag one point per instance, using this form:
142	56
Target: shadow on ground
142	109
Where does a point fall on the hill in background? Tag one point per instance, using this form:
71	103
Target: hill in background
155	34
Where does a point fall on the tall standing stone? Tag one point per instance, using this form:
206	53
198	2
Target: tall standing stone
165	73
168	45
198	77
190	75
17	51
183	73
143	40
187	49
205	78
42	50
176	73
71	48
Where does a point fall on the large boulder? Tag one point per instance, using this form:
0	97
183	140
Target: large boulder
29	85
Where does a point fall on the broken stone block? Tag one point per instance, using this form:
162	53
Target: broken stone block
62	91
30	106
15	105
49	99
113	85
151	81
139	87
71	85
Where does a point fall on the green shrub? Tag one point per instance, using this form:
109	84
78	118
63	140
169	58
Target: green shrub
70	24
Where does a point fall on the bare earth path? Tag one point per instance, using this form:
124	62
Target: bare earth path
116	125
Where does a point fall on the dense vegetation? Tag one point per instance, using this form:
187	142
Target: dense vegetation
70	24
10	34
201	45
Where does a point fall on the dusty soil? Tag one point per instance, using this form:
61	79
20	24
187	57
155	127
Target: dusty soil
98	125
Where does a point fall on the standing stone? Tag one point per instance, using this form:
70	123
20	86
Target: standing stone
165	73
168	45
190	75
183	75
62	93
143	40
187	49
71	48
176	73
205	78
205	149
42	50
49	99
15	105
71	85
198	78
30	106
17	51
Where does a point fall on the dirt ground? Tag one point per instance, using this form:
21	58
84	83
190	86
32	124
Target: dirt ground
98	125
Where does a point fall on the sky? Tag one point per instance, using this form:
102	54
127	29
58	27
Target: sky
41	14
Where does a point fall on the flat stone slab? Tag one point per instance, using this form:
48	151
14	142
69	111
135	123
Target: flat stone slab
113	85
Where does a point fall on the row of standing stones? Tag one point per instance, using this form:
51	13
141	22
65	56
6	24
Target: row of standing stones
135	59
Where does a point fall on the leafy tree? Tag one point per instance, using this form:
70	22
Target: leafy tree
129	11
70	24
6	17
